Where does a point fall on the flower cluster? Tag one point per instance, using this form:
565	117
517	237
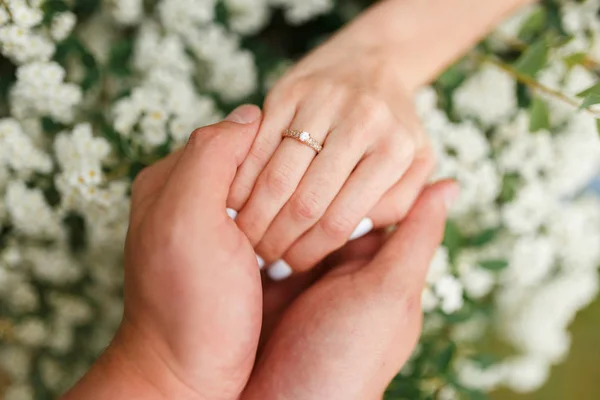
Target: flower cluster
93	93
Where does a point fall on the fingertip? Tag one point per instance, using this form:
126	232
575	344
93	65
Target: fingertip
443	193
450	192
279	271
244	114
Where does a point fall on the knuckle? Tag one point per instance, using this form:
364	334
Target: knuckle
306	206
277	181
270	249
371	109
428	160
338	227
399	148
141	179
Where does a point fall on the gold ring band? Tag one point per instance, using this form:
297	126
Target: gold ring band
304	138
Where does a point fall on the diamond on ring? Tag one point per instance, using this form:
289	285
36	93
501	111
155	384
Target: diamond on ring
304	138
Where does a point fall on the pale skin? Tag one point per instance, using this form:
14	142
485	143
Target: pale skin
354	95
199	323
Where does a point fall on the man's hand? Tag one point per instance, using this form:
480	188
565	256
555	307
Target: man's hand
193	299
347	334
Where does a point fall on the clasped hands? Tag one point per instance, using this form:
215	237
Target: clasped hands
200	323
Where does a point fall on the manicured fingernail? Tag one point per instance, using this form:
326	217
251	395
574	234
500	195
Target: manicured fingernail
451	193
244	114
365	226
279	271
232	213
261	262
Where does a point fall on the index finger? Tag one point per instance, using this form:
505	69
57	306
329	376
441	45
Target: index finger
199	182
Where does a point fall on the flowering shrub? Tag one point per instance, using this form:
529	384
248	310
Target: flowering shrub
92	91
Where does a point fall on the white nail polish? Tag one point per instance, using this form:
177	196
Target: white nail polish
261	262
365	226
232	213
279	271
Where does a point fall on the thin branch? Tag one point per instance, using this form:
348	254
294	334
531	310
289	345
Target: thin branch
518	45
532	83
3	2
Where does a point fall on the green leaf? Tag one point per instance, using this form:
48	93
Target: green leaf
445	357
575	59
494	265
533	59
484	237
510	185
589	101
598	126
539	115
53	7
485	360
452	77
453	239
534	25
595	89
120	56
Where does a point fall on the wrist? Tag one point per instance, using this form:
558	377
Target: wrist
422	37
128	369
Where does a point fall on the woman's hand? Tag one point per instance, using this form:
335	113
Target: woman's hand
299	206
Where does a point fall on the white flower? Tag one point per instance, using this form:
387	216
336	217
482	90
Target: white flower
18	151
440	265
575	233
40	91
61	337
70	309
247	16
510	28
298	12
52	373
467	142
529	155
126	12
526	374
473	376
4	17
450	291
23	15
22	45
580	16
62	25
447	393
19	392
31	332
30	213
429	301
184	16
477	282
577	156
23	297
53	265
16	361
152	50
489	96
529	210
531	261
480	186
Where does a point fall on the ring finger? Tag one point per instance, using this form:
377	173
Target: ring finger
280	178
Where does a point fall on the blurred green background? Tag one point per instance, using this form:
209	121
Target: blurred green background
578	377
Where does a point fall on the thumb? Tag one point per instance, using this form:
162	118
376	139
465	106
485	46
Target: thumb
200	180
404	259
